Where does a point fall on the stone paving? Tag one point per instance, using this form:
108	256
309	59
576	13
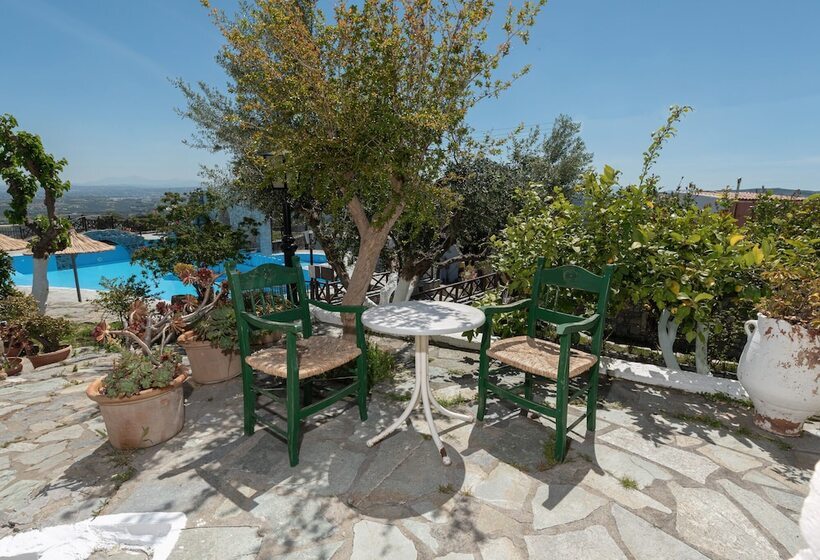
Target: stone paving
667	475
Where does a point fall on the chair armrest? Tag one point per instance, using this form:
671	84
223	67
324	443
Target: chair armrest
266	325
586	324
491	310
357	309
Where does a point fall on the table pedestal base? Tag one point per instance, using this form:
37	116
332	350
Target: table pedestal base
422	391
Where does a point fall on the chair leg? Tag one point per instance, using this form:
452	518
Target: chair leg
483	373
528	386
294	422
361	396
561	419
307	392
592	399
249	400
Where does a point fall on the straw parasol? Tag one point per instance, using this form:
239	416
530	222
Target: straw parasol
79	244
9	244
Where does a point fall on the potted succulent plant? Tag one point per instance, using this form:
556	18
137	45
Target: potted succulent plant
212	346
46	333
24	331
141	398
780	365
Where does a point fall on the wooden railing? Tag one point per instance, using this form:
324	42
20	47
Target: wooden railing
333	291
466	291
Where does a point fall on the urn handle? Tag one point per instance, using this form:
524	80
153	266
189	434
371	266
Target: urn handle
747	326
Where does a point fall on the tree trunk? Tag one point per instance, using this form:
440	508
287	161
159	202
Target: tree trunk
667	330
404	289
701	346
39	283
369	250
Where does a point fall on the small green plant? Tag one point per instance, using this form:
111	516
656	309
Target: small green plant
381	364
398	397
628	483
549	453
446	489
726	399
456	400
48	332
704	419
133	373
219	328
118	296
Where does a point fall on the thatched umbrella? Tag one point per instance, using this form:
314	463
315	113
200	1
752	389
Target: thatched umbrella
79	244
9	244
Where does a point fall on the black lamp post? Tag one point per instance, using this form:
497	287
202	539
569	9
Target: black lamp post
288	242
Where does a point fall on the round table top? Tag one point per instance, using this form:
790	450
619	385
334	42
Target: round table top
423	318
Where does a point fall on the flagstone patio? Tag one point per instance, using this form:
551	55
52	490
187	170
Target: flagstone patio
667	475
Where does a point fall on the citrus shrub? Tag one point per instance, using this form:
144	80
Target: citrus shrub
670	255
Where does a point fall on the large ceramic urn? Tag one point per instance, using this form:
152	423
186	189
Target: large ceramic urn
780	369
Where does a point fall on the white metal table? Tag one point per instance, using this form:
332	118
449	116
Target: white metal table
422	319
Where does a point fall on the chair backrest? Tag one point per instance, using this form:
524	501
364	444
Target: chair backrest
272	292
573	278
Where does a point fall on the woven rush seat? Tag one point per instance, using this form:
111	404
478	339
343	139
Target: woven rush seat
539	357
317	354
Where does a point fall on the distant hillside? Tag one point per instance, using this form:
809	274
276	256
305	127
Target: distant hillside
94	200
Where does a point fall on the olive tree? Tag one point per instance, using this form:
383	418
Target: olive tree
360	105
26	168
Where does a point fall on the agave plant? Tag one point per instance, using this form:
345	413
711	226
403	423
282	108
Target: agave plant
150	325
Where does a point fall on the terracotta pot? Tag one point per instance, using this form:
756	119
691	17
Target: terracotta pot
268	339
148	418
780	369
15	366
209	364
40	360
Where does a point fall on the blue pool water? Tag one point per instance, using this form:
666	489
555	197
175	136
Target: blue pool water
92	267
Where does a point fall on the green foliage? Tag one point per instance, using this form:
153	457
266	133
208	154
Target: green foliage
381	364
26	167
362	107
133	373
556	160
119	295
795	296
20	312
792	227
6	271
669	253
16	306
48	332
194	236
219	328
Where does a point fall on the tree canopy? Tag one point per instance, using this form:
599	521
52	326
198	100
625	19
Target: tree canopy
26	168
363	106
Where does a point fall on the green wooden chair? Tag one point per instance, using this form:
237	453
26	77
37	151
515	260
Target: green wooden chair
272	298
544	359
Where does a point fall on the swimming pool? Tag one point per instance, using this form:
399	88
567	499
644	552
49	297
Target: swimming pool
92	267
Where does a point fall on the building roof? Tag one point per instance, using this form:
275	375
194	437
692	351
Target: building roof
9	244
749	195
80	243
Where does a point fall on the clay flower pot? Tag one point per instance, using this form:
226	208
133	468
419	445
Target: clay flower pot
40	360
780	369
148	418
14	367
209	364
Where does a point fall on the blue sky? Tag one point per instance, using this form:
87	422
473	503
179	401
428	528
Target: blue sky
92	77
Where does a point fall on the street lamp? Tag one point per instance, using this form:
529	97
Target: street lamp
288	242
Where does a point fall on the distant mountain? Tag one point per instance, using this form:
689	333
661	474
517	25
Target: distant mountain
139	182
